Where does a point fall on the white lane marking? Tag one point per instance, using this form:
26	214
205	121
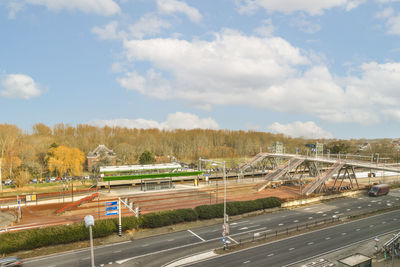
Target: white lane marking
383	222
169	240
235	223
327	238
324	215
369	205
296	221
145	245
310	243
319	212
218	238
244	228
202	239
117	251
307	208
284	216
86	258
110	262
310	218
348	209
358	229
389	204
371	225
359	207
344	233
270	255
379	203
291	249
336	212
280	224
233	240
245	262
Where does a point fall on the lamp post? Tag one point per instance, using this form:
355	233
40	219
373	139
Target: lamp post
225	225
89	222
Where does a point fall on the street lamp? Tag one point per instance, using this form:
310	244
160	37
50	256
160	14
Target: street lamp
221	163
89	222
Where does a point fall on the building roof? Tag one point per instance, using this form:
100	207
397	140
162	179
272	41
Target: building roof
102	148
354	260
125	168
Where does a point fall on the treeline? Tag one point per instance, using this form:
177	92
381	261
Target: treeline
25	152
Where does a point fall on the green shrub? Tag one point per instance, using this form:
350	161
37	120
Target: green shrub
235	208
164	218
62	234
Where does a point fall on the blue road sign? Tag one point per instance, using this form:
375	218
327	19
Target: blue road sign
111	203
111	208
224	240
111	213
207	174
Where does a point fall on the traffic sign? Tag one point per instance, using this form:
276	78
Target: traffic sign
111	208
111	203
224	240
111	213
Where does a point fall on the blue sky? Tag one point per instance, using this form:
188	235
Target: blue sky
303	68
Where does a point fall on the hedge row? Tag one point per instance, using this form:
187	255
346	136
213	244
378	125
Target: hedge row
235	208
54	235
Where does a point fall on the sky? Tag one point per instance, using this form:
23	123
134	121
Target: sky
309	68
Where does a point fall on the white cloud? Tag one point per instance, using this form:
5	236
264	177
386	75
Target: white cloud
266	73
393	24
266	29
175	6
305	25
385	13
301	129
178	120
312	7
18	86
108	32
148	25
99	7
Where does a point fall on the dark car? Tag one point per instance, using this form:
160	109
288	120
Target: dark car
10	261
379	190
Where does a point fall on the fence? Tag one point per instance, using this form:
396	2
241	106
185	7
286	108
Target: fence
263	235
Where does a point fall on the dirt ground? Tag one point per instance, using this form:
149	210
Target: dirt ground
154	201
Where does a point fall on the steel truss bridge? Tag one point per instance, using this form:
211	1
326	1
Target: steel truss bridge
320	168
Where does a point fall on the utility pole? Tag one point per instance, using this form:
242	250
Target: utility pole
1	181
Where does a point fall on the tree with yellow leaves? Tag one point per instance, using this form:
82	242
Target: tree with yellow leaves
65	160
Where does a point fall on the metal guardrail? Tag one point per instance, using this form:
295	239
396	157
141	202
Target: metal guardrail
263	235
389	243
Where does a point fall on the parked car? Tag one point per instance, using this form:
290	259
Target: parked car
10	261
53	179
379	190
8	182
87	177
35	180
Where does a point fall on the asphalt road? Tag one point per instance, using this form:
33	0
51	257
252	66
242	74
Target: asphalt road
296	249
158	250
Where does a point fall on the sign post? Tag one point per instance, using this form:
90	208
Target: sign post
119	218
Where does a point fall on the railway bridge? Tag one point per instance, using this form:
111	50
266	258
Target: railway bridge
320	168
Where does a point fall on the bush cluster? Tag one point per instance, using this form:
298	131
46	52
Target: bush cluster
62	234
